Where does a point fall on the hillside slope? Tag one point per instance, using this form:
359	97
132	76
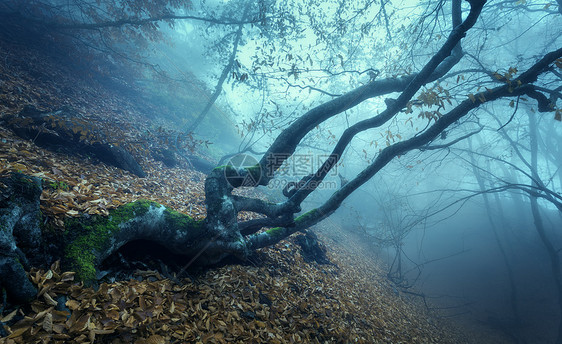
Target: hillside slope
276	297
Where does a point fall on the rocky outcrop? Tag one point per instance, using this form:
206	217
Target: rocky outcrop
19	231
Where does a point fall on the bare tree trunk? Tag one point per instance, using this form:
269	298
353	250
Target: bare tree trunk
222	78
539	226
512	285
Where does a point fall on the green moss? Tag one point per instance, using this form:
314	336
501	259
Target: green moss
299	220
60	185
275	231
306	216
88	236
82	259
181	221
130	210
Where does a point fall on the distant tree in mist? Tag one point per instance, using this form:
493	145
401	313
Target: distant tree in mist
514	170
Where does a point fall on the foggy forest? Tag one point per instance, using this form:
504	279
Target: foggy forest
280	171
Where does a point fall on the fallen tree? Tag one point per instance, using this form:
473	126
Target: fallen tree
62	130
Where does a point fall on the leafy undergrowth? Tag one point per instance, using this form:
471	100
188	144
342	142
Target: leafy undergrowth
279	299
75	185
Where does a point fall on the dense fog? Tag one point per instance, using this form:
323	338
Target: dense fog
454	177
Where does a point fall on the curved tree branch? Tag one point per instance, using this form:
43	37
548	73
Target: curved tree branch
400	148
286	143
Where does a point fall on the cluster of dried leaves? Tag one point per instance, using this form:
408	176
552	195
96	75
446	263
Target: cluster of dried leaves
280	299
74	185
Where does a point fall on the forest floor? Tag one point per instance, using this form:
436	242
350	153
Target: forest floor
276	297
